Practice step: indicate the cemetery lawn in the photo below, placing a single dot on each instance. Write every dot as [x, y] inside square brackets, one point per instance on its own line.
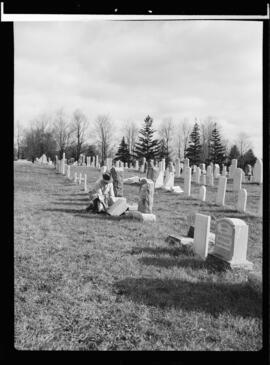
[90, 282]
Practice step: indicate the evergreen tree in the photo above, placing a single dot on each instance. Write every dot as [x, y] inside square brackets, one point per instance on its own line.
[163, 151]
[249, 158]
[147, 146]
[193, 151]
[123, 152]
[217, 153]
[234, 153]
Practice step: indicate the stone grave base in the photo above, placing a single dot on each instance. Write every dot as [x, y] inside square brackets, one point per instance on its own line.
[118, 208]
[245, 265]
[142, 217]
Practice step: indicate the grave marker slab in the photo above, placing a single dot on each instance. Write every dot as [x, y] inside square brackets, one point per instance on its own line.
[221, 192]
[231, 238]
[242, 200]
[201, 235]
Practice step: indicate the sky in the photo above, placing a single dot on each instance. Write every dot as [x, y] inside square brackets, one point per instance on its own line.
[129, 69]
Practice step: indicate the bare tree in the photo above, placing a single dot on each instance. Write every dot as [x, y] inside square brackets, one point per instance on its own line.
[243, 143]
[62, 131]
[104, 130]
[166, 133]
[78, 127]
[181, 137]
[131, 133]
[206, 131]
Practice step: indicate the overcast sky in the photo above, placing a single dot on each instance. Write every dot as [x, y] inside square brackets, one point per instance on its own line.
[177, 69]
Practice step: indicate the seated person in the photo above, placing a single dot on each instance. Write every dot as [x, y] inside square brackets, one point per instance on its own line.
[102, 195]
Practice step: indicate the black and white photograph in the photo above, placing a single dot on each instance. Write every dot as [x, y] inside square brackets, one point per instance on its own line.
[138, 185]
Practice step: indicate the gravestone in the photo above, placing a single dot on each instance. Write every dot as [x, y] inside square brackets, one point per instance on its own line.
[152, 172]
[203, 179]
[221, 192]
[177, 167]
[160, 179]
[97, 162]
[224, 171]
[242, 200]
[80, 178]
[233, 167]
[231, 239]
[118, 183]
[187, 181]
[168, 180]
[209, 170]
[118, 208]
[237, 179]
[146, 198]
[201, 235]
[85, 182]
[216, 171]
[68, 172]
[210, 180]
[75, 177]
[136, 165]
[258, 171]
[198, 175]
[202, 193]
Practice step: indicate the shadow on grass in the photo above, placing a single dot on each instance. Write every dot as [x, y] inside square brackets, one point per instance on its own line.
[210, 264]
[67, 200]
[214, 298]
[84, 214]
[72, 202]
[174, 251]
[72, 211]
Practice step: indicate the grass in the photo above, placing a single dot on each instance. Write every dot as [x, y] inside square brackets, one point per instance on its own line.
[88, 282]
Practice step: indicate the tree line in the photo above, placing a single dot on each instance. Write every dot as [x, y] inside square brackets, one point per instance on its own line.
[201, 142]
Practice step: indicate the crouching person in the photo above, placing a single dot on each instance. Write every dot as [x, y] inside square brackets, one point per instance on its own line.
[102, 195]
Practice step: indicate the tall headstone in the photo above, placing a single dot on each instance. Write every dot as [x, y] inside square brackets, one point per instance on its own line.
[237, 179]
[163, 164]
[216, 171]
[231, 239]
[221, 192]
[96, 162]
[202, 193]
[209, 170]
[160, 179]
[177, 167]
[242, 200]
[258, 171]
[118, 184]
[198, 175]
[80, 178]
[68, 172]
[201, 235]
[187, 181]
[233, 167]
[136, 165]
[85, 182]
[146, 198]
[203, 179]
[224, 171]
[210, 180]
[75, 177]
[168, 180]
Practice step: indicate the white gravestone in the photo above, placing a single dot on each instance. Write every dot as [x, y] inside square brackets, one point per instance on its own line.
[85, 182]
[160, 180]
[177, 167]
[136, 165]
[231, 239]
[210, 180]
[202, 193]
[198, 175]
[187, 181]
[203, 179]
[68, 172]
[237, 179]
[169, 180]
[221, 192]
[201, 235]
[209, 170]
[258, 171]
[233, 167]
[75, 177]
[80, 178]
[242, 200]
[224, 171]
[216, 171]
